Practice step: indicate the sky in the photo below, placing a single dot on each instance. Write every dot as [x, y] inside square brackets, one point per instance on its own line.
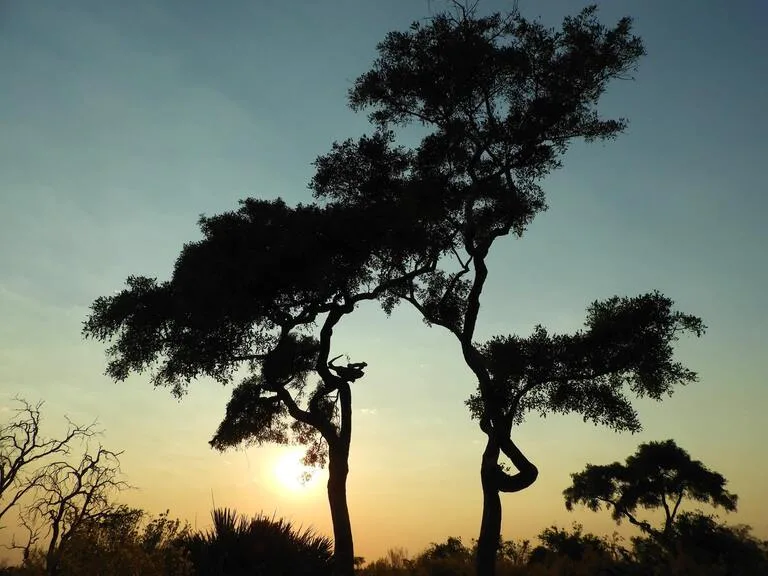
[122, 122]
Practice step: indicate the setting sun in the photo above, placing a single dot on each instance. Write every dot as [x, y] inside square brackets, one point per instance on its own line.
[292, 474]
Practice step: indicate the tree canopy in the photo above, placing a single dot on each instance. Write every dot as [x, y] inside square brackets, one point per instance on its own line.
[260, 271]
[660, 475]
[626, 347]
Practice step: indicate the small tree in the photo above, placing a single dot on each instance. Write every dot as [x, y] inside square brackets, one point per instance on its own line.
[67, 498]
[244, 298]
[660, 475]
[25, 452]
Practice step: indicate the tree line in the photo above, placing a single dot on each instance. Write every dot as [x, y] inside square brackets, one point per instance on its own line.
[66, 494]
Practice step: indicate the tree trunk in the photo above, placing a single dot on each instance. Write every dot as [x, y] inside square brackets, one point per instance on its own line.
[490, 525]
[343, 553]
[53, 553]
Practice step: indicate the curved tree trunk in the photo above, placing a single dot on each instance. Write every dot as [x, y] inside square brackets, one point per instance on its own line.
[490, 525]
[494, 481]
[338, 469]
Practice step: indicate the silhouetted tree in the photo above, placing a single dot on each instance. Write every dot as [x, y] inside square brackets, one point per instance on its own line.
[625, 350]
[69, 496]
[244, 299]
[25, 452]
[660, 475]
[501, 98]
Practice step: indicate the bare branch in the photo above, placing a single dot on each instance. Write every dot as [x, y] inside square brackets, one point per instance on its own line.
[24, 452]
[68, 495]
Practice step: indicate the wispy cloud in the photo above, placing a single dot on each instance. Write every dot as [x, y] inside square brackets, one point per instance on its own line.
[371, 411]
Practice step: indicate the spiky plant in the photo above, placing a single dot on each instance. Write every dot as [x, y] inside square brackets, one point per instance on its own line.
[237, 545]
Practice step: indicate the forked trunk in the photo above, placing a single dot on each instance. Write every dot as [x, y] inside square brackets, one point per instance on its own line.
[343, 552]
[490, 525]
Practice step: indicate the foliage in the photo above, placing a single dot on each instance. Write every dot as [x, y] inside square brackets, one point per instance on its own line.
[660, 475]
[702, 543]
[237, 545]
[450, 557]
[626, 347]
[502, 96]
[575, 549]
[120, 544]
[263, 267]
[706, 549]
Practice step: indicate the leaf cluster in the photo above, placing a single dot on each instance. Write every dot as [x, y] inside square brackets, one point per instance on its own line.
[258, 272]
[625, 348]
[501, 98]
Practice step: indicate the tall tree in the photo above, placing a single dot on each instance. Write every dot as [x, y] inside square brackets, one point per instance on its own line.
[244, 299]
[501, 98]
[659, 475]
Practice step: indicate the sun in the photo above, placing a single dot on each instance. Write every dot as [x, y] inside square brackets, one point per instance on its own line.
[292, 474]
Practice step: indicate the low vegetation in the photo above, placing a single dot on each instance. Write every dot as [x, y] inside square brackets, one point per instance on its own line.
[64, 494]
[130, 543]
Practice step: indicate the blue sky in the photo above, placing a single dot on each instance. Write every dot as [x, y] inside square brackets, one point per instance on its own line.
[121, 122]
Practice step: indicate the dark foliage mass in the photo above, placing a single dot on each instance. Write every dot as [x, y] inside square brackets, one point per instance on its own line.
[626, 348]
[261, 268]
[660, 475]
[704, 547]
[258, 546]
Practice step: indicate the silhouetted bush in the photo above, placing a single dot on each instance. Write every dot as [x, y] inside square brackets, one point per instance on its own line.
[700, 545]
[118, 544]
[239, 546]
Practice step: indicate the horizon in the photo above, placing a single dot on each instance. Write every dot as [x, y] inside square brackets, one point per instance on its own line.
[123, 125]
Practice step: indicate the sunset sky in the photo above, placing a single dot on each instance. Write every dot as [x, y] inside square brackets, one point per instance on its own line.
[121, 122]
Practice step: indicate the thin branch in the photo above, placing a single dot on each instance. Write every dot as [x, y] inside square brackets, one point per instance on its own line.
[22, 447]
[667, 512]
[677, 504]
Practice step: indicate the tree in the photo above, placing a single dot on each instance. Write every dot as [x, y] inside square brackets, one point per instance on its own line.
[660, 475]
[25, 452]
[67, 498]
[501, 99]
[244, 299]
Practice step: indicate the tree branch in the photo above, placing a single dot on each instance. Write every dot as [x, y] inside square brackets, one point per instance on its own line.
[21, 446]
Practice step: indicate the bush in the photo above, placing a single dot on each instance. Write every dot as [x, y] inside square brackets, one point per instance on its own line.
[239, 546]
